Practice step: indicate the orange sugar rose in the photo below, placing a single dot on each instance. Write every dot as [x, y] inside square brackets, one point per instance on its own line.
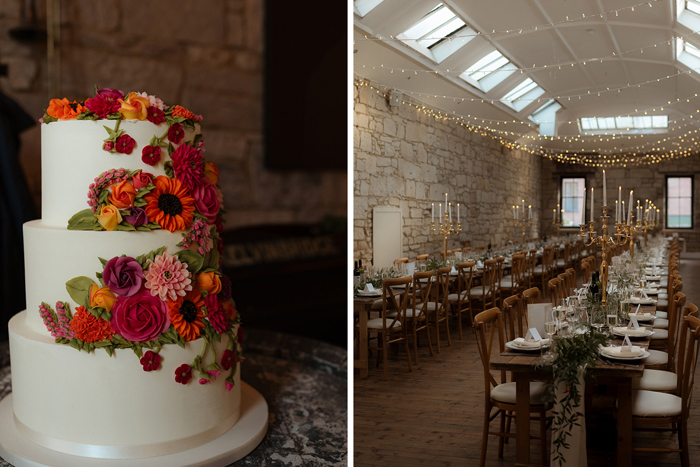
[123, 195]
[101, 297]
[135, 107]
[109, 217]
[209, 281]
[211, 171]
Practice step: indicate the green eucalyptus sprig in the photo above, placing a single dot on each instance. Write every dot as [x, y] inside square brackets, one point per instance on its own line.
[574, 356]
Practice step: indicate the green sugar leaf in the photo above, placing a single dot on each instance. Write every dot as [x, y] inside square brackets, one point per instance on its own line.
[83, 220]
[79, 290]
[194, 260]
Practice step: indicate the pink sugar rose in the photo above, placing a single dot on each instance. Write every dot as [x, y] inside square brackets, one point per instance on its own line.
[141, 179]
[108, 146]
[204, 381]
[206, 199]
[229, 386]
[141, 317]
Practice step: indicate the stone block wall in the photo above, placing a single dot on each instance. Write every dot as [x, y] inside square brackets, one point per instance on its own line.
[648, 182]
[407, 159]
[207, 56]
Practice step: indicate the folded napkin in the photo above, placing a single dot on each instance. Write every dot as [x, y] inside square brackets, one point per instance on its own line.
[630, 331]
[519, 341]
[479, 264]
[642, 316]
[623, 350]
[642, 301]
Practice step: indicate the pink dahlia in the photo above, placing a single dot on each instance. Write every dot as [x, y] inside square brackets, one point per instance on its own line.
[152, 100]
[188, 166]
[103, 104]
[168, 278]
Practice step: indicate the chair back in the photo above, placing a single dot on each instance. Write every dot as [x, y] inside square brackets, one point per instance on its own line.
[423, 282]
[390, 302]
[422, 257]
[532, 295]
[465, 275]
[487, 326]
[675, 318]
[490, 279]
[517, 270]
[573, 280]
[514, 319]
[443, 283]
[687, 360]
[554, 288]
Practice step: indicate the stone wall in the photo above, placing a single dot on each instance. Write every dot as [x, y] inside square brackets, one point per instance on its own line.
[207, 56]
[407, 159]
[647, 183]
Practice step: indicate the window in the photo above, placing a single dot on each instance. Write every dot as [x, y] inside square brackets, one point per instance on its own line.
[693, 5]
[362, 7]
[522, 95]
[431, 34]
[546, 117]
[679, 202]
[573, 201]
[489, 71]
[687, 53]
[641, 124]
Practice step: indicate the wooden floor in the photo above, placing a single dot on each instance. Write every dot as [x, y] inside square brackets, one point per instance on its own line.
[433, 416]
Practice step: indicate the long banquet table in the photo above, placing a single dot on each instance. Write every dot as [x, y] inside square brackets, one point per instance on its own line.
[619, 375]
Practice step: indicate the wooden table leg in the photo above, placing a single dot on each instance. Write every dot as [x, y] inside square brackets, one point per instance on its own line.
[624, 423]
[362, 342]
[522, 418]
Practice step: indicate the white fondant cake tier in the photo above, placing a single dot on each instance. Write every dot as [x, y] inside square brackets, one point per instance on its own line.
[72, 157]
[94, 405]
[54, 255]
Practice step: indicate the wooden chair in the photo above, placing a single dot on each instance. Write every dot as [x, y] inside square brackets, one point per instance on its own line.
[573, 280]
[532, 295]
[461, 301]
[500, 395]
[562, 262]
[651, 410]
[543, 271]
[417, 314]
[554, 287]
[483, 294]
[391, 330]
[659, 359]
[513, 284]
[663, 380]
[659, 340]
[422, 257]
[439, 313]
[515, 320]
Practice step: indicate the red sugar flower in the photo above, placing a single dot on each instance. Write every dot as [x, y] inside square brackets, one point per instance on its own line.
[125, 144]
[176, 133]
[228, 359]
[150, 155]
[151, 361]
[155, 115]
[188, 166]
[183, 374]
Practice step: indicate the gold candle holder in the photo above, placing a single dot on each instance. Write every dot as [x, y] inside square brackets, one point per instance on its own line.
[445, 228]
[522, 223]
[604, 241]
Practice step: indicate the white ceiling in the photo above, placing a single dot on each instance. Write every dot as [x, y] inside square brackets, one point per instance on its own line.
[630, 81]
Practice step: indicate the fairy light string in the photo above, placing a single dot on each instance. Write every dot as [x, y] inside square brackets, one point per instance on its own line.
[586, 157]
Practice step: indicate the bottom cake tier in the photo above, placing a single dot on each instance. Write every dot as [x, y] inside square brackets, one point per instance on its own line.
[94, 405]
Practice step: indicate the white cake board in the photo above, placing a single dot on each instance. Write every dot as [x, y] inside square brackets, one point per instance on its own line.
[233, 445]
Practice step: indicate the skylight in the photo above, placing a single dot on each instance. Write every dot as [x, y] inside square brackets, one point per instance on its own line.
[362, 7]
[641, 124]
[489, 71]
[546, 117]
[693, 5]
[522, 95]
[431, 34]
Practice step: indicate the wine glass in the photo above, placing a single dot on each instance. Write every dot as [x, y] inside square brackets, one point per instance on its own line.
[597, 314]
[550, 328]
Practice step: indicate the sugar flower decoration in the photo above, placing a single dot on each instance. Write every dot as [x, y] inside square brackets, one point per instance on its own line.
[168, 278]
[170, 204]
[186, 315]
[188, 166]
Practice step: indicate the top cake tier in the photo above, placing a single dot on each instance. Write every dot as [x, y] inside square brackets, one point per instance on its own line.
[73, 155]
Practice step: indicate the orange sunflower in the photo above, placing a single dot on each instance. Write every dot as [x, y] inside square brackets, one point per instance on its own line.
[170, 204]
[186, 315]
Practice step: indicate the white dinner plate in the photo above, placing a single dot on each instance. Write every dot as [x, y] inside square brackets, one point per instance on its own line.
[512, 345]
[362, 293]
[619, 332]
[605, 354]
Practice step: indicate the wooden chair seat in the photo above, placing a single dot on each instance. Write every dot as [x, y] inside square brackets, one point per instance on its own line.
[506, 393]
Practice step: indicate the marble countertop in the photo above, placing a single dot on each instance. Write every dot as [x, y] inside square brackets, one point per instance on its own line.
[304, 382]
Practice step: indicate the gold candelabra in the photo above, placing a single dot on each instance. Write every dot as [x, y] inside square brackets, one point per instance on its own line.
[560, 223]
[604, 241]
[446, 227]
[522, 223]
